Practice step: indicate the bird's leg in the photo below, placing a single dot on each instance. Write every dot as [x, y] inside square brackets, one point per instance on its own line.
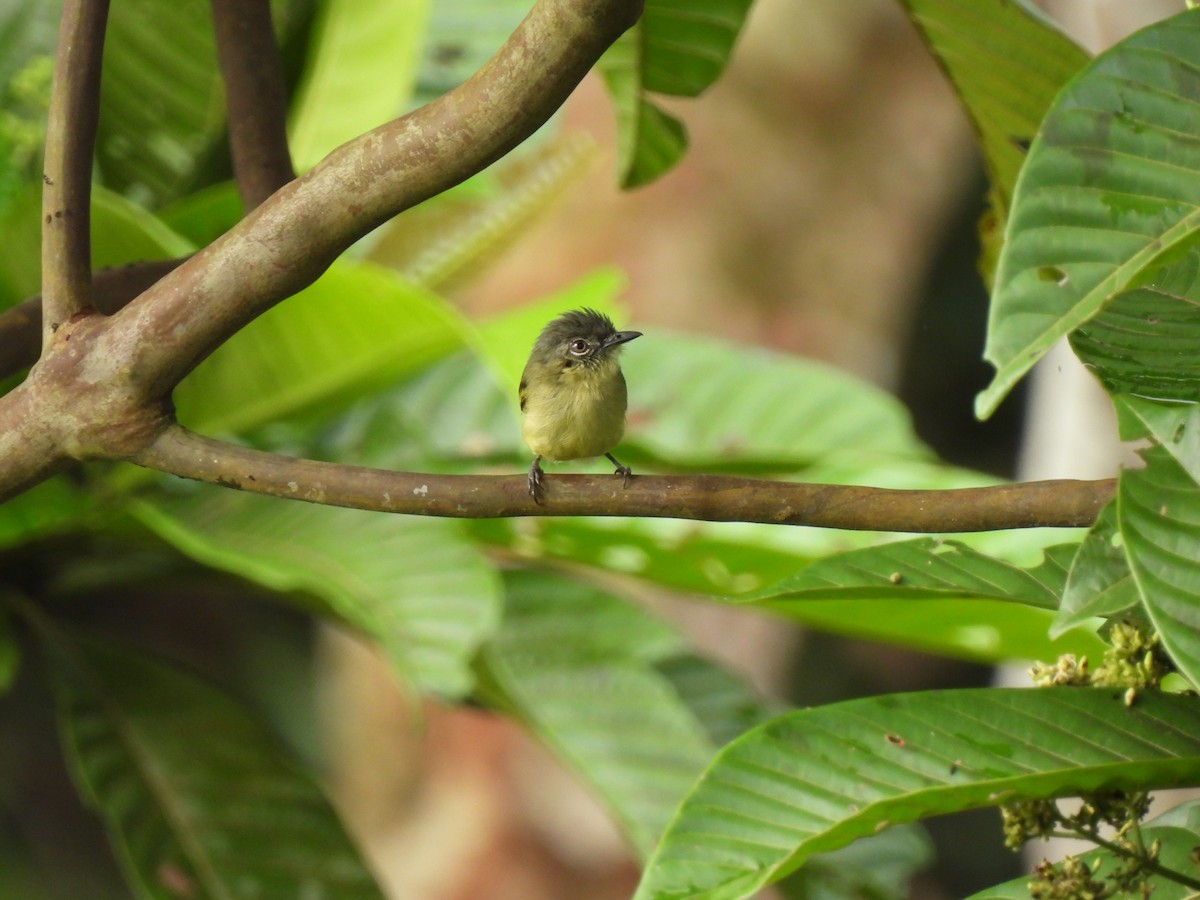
[535, 480]
[623, 471]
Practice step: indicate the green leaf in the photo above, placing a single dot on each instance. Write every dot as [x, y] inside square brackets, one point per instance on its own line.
[1099, 583]
[196, 795]
[1159, 514]
[462, 36]
[816, 779]
[1177, 832]
[937, 595]
[415, 585]
[358, 328]
[1110, 192]
[686, 407]
[1175, 426]
[1006, 64]
[876, 867]
[1146, 342]
[10, 650]
[52, 506]
[361, 70]
[686, 43]
[650, 141]
[585, 670]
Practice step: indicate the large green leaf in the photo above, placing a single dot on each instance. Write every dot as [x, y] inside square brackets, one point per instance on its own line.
[462, 36]
[816, 779]
[608, 686]
[1175, 426]
[1159, 515]
[1176, 832]
[361, 69]
[358, 328]
[1006, 64]
[197, 797]
[1110, 192]
[686, 43]
[415, 585]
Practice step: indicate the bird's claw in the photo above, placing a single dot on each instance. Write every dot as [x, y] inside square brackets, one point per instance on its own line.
[535, 482]
[624, 472]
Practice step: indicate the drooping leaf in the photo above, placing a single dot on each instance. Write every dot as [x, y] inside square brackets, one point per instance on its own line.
[1006, 64]
[585, 670]
[415, 585]
[1177, 834]
[361, 69]
[1109, 194]
[816, 779]
[197, 797]
[356, 329]
[1159, 515]
[650, 141]
[1099, 583]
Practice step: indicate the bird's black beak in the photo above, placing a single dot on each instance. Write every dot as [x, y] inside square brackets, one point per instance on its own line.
[619, 337]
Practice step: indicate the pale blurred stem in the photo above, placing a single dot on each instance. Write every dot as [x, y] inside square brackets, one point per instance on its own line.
[704, 497]
[21, 326]
[255, 96]
[67, 176]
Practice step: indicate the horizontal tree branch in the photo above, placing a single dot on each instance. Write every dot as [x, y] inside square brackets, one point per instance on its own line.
[705, 497]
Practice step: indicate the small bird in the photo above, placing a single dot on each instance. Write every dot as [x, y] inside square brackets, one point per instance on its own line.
[573, 393]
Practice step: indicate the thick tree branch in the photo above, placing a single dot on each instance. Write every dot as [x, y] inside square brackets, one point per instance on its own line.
[21, 326]
[705, 497]
[255, 96]
[289, 240]
[70, 142]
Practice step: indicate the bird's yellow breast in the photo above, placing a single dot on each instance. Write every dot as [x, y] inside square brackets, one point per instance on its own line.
[573, 413]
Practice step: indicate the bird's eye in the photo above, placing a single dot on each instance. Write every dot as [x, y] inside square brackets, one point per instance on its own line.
[579, 346]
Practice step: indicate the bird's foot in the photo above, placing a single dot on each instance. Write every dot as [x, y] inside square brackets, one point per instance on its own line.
[535, 480]
[623, 471]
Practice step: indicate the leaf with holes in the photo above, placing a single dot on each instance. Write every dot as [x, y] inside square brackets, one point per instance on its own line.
[1109, 194]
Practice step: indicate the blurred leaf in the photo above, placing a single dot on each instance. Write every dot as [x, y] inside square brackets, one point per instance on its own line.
[196, 795]
[876, 867]
[204, 215]
[1146, 342]
[1100, 583]
[932, 594]
[361, 68]
[1159, 515]
[1006, 63]
[444, 241]
[54, 505]
[10, 650]
[686, 405]
[162, 109]
[580, 667]
[356, 329]
[1109, 194]
[462, 36]
[686, 43]
[816, 779]
[415, 585]
[650, 141]
[1178, 834]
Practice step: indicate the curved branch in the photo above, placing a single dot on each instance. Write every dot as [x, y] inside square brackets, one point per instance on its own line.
[21, 326]
[289, 240]
[255, 97]
[70, 141]
[710, 498]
